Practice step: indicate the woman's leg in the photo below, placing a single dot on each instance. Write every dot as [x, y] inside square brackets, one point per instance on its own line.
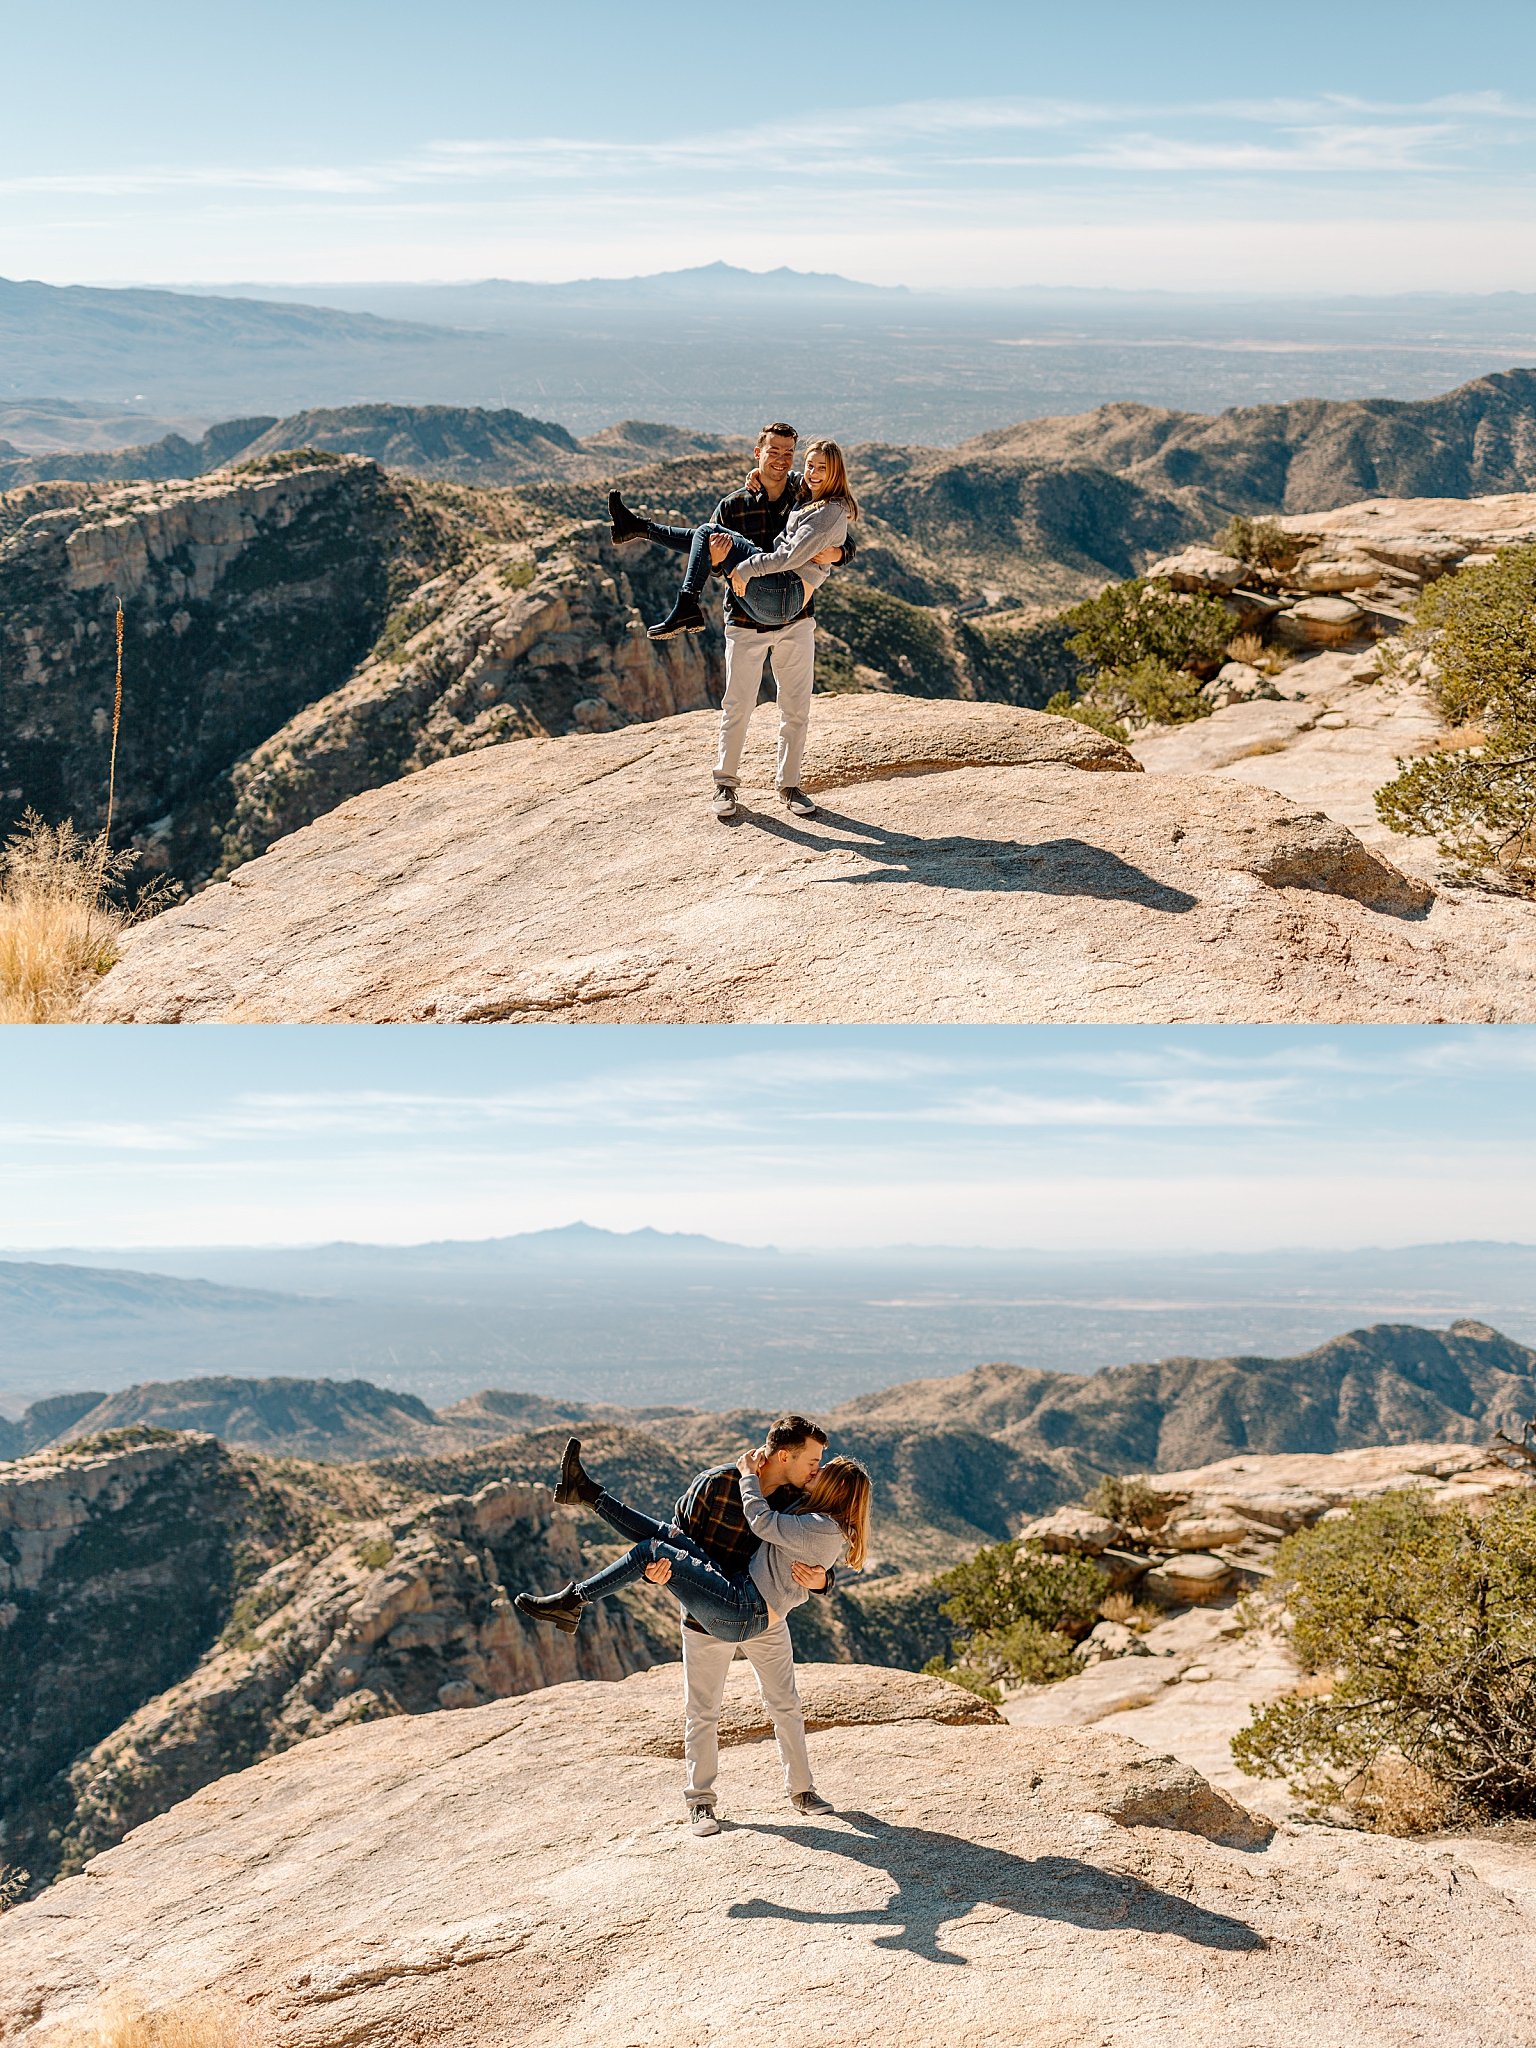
[727, 1607]
[700, 564]
[625, 526]
[687, 614]
[629, 1521]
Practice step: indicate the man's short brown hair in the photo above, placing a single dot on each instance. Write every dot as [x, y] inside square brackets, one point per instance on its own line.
[790, 1431]
[778, 427]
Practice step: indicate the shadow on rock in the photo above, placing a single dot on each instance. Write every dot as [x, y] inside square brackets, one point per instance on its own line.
[1054, 867]
[941, 1877]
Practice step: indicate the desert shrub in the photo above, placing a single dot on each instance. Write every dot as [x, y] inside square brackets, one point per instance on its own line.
[1134, 1504]
[1021, 1609]
[13, 1885]
[1144, 650]
[1119, 700]
[1426, 1620]
[1133, 622]
[1478, 800]
[63, 909]
[1263, 542]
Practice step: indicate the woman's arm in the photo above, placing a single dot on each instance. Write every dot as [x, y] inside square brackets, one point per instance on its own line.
[816, 1539]
[823, 526]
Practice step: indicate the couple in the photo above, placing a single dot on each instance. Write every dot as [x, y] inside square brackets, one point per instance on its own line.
[747, 1543]
[777, 540]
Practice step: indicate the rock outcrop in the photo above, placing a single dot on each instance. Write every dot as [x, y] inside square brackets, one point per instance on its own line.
[586, 878]
[531, 1858]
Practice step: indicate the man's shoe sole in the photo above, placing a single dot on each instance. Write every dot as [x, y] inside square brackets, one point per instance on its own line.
[675, 632]
[626, 540]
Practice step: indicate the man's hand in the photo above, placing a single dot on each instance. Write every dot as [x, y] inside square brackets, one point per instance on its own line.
[719, 548]
[661, 1571]
[751, 1461]
[828, 558]
[812, 1576]
[739, 584]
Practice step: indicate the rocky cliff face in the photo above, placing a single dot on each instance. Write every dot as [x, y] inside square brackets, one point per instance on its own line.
[540, 640]
[243, 597]
[171, 1611]
[297, 630]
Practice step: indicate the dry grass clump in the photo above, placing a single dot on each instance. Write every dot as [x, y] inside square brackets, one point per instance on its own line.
[1395, 1797]
[123, 2021]
[59, 924]
[13, 1885]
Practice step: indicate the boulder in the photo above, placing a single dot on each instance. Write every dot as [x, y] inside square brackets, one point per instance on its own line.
[1074, 1529]
[1204, 1532]
[1200, 569]
[1124, 1569]
[1108, 1639]
[1320, 622]
[1284, 1509]
[1418, 554]
[1252, 610]
[1194, 1578]
[1325, 575]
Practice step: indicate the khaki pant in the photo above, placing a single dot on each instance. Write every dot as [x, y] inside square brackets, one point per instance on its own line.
[706, 1660]
[794, 670]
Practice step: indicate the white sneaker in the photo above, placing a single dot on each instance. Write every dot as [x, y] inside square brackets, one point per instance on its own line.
[811, 1802]
[701, 1818]
[725, 800]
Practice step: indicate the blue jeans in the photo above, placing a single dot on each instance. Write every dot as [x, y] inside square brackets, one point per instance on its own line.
[730, 1608]
[770, 600]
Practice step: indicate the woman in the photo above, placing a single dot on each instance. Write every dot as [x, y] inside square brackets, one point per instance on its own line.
[789, 571]
[831, 1524]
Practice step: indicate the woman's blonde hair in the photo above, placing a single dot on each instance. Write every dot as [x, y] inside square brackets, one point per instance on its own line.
[836, 485]
[841, 1491]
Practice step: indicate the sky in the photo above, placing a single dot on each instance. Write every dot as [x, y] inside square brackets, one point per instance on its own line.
[1226, 1138]
[1196, 145]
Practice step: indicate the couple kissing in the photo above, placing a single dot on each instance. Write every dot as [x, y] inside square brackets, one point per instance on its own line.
[747, 1543]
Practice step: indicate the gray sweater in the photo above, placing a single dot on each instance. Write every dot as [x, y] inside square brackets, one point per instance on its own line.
[818, 523]
[814, 1539]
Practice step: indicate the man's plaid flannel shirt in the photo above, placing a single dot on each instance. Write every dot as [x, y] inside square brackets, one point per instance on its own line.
[711, 1513]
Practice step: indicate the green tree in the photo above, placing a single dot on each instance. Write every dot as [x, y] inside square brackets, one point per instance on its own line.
[1426, 1620]
[1137, 621]
[1145, 650]
[1264, 543]
[1021, 1608]
[1478, 800]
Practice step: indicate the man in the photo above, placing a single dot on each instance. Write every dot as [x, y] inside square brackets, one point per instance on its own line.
[710, 1512]
[761, 511]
